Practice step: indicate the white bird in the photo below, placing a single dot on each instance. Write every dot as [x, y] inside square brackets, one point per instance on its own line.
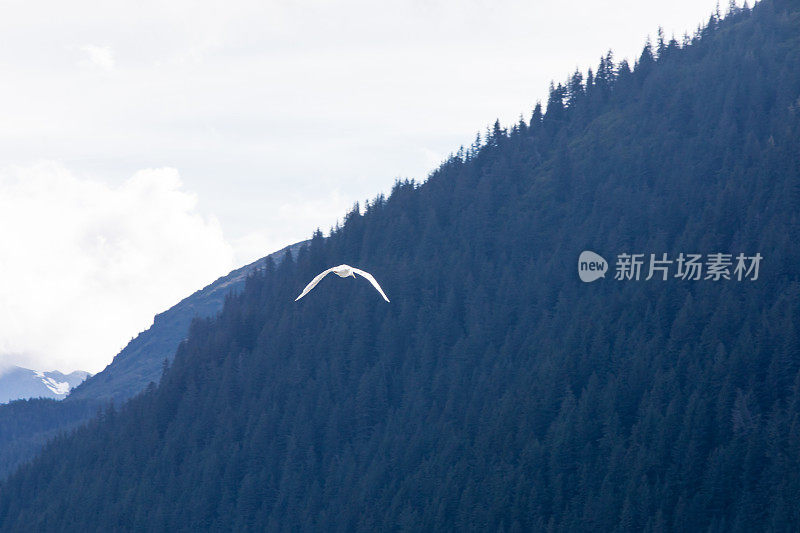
[343, 271]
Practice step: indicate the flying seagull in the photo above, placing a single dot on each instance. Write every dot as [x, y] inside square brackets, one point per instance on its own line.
[343, 271]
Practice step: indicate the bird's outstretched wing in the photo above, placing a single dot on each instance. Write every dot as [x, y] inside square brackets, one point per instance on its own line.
[371, 280]
[314, 282]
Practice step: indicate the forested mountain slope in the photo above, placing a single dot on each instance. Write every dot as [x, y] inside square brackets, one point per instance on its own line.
[25, 426]
[142, 360]
[497, 391]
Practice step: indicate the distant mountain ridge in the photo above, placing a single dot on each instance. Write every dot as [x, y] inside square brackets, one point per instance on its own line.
[17, 383]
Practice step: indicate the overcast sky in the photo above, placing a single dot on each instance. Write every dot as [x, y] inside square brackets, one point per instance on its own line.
[147, 148]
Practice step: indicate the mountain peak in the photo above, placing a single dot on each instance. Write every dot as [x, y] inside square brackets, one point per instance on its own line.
[18, 383]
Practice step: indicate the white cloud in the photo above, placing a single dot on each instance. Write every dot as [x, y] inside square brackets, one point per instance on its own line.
[101, 57]
[85, 266]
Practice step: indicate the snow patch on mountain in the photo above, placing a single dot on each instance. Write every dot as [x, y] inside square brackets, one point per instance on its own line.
[58, 387]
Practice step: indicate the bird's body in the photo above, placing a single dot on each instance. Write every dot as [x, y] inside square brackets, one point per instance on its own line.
[343, 271]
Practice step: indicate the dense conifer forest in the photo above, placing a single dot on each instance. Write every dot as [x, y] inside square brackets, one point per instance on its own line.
[497, 392]
[27, 425]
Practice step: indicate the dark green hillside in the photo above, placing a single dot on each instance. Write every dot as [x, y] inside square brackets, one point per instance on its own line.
[497, 392]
